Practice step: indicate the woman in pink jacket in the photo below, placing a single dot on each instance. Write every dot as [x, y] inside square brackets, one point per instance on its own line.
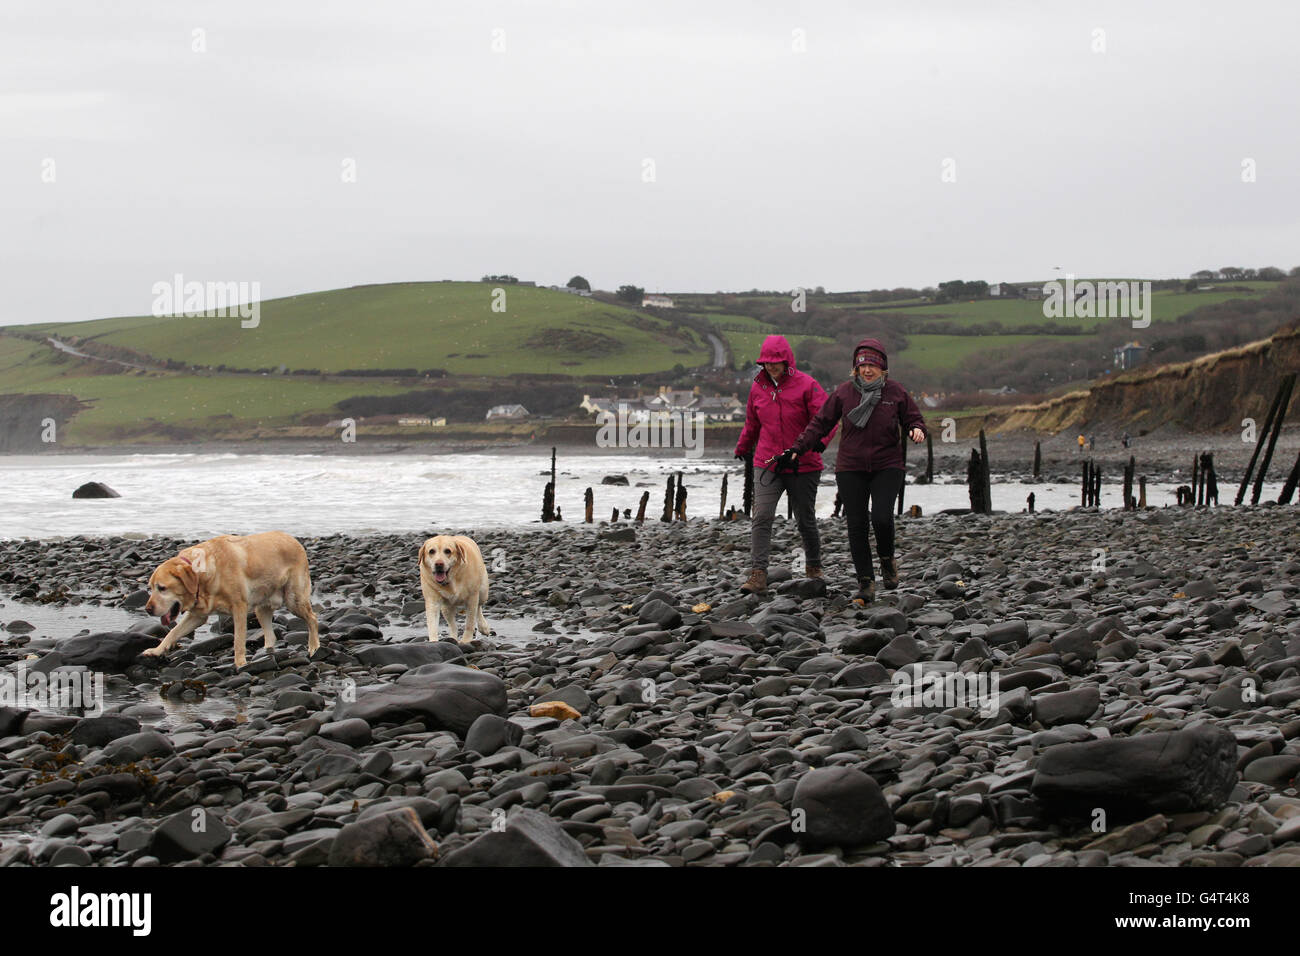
[782, 401]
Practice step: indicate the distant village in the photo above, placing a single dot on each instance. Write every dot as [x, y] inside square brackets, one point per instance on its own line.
[643, 408]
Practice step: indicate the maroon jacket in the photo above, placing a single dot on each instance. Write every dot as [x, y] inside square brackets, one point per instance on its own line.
[880, 444]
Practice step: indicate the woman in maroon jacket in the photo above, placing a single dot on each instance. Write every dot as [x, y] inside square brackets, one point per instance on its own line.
[876, 413]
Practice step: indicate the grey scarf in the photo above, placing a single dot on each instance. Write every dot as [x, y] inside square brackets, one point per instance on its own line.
[867, 404]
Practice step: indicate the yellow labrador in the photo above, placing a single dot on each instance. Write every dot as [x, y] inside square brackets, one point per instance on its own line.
[231, 574]
[453, 578]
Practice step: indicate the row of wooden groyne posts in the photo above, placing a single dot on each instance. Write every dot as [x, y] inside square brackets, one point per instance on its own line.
[1203, 490]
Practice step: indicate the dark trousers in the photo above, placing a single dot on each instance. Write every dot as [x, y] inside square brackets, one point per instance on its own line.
[869, 497]
[802, 490]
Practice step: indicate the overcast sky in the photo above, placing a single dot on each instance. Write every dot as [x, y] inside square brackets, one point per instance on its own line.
[791, 143]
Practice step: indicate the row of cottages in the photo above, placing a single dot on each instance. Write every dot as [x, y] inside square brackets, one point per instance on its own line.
[656, 302]
[1006, 290]
[640, 408]
[585, 293]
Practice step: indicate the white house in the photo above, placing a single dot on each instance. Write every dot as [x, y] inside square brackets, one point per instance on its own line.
[656, 302]
[509, 412]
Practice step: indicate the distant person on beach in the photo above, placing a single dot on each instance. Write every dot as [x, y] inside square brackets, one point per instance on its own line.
[876, 413]
[1081, 443]
[782, 401]
[1126, 439]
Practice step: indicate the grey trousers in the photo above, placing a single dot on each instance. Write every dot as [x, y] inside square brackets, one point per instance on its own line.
[802, 490]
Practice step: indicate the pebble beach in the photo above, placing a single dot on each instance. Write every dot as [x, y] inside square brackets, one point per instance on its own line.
[1138, 679]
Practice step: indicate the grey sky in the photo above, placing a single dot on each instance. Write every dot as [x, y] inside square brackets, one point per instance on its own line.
[773, 168]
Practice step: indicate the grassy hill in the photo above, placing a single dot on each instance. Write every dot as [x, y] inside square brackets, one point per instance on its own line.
[205, 376]
[165, 406]
[421, 325]
[933, 330]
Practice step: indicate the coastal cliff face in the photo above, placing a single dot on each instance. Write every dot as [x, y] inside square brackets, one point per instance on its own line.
[1211, 393]
[24, 419]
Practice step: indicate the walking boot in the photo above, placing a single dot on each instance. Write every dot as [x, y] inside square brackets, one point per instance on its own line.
[757, 582]
[866, 592]
[813, 571]
[889, 572]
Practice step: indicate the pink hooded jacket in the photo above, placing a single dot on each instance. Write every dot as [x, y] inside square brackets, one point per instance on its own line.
[777, 414]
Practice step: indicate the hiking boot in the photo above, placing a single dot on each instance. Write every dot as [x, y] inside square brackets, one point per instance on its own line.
[813, 571]
[757, 582]
[866, 592]
[889, 572]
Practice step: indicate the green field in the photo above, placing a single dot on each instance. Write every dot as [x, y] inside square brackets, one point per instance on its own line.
[420, 325]
[938, 352]
[1166, 306]
[133, 401]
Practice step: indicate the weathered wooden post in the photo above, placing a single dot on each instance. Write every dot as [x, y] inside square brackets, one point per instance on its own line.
[1288, 385]
[1293, 479]
[640, 511]
[974, 483]
[1085, 483]
[1096, 486]
[1196, 480]
[590, 501]
[1268, 427]
[929, 458]
[1210, 478]
[1030, 500]
[614, 517]
[838, 505]
[1142, 492]
[681, 498]
[548, 502]
[1038, 460]
[985, 475]
[1128, 483]
[668, 500]
[722, 508]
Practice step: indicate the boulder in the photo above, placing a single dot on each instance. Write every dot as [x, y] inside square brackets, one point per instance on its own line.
[395, 838]
[530, 838]
[441, 696]
[97, 731]
[414, 654]
[95, 489]
[841, 806]
[188, 834]
[1176, 771]
[105, 651]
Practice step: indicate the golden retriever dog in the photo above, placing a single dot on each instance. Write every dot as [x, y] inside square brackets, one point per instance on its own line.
[231, 574]
[453, 577]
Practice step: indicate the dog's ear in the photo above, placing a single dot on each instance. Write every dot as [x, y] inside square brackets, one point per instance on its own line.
[423, 546]
[189, 579]
[460, 551]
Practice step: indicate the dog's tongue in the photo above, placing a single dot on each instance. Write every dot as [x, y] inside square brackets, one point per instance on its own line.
[440, 576]
[166, 619]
